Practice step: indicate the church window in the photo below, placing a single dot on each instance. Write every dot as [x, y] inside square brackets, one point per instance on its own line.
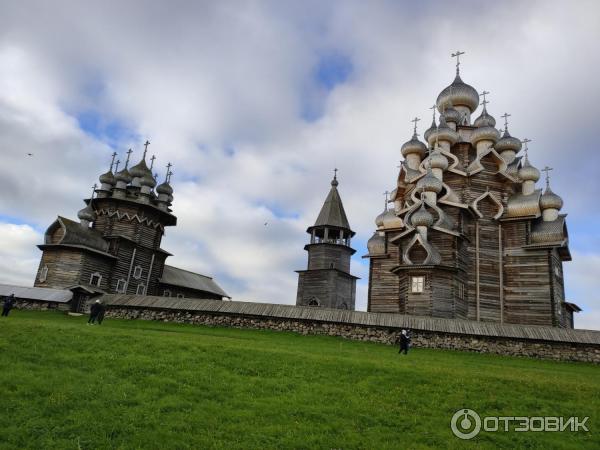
[137, 272]
[313, 302]
[416, 284]
[121, 286]
[166, 293]
[95, 279]
[344, 306]
[461, 290]
[43, 274]
[140, 289]
[180, 296]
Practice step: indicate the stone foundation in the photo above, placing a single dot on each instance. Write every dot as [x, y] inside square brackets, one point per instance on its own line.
[535, 348]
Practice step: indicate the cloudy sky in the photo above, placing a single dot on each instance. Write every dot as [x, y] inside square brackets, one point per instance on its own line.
[255, 103]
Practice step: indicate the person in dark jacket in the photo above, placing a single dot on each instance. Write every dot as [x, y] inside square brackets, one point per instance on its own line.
[404, 342]
[94, 311]
[101, 313]
[9, 303]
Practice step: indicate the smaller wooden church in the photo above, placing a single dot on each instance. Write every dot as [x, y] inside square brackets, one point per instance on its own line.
[115, 247]
[327, 281]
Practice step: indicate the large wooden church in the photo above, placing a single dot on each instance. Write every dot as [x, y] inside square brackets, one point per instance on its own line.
[469, 235]
[115, 246]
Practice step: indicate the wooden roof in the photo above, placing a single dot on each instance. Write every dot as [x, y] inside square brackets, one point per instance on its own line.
[269, 310]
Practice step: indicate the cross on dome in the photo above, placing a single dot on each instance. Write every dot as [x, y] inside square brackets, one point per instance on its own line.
[505, 116]
[457, 56]
[415, 120]
[547, 170]
[112, 162]
[129, 152]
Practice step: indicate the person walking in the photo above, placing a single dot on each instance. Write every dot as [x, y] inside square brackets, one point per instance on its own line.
[9, 303]
[101, 312]
[404, 342]
[94, 311]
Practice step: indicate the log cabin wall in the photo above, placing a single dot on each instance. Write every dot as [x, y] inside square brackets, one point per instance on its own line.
[327, 256]
[64, 267]
[384, 286]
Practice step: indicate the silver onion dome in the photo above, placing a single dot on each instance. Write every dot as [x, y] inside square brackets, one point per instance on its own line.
[391, 220]
[421, 217]
[429, 183]
[148, 180]
[452, 115]
[485, 119]
[414, 146]
[485, 133]
[107, 178]
[437, 160]
[123, 175]
[458, 94]
[164, 188]
[429, 130]
[527, 172]
[87, 213]
[550, 200]
[139, 170]
[507, 142]
[443, 133]
[376, 244]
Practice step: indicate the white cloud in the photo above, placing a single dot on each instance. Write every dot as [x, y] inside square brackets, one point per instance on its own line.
[220, 87]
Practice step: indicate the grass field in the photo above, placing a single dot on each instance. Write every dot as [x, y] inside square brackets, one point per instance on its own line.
[136, 384]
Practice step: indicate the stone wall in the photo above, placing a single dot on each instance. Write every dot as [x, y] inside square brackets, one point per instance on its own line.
[536, 348]
[40, 305]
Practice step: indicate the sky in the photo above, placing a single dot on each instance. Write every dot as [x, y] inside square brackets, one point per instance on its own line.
[256, 102]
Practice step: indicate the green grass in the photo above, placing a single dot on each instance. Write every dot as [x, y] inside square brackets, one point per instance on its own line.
[137, 384]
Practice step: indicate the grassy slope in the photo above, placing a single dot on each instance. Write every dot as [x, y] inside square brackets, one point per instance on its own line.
[135, 384]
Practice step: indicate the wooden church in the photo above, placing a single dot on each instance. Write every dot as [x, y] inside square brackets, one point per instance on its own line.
[115, 247]
[327, 281]
[469, 235]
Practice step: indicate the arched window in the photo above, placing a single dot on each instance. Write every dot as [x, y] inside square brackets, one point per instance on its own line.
[43, 274]
[137, 272]
[121, 285]
[166, 293]
[95, 279]
[140, 289]
[180, 296]
[344, 306]
[313, 302]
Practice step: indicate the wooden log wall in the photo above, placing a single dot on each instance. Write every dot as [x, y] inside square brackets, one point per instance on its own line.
[323, 256]
[64, 267]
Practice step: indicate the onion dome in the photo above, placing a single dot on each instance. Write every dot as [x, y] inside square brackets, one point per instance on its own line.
[391, 220]
[414, 146]
[376, 245]
[140, 170]
[430, 130]
[422, 217]
[87, 213]
[124, 176]
[378, 219]
[437, 160]
[108, 178]
[550, 200]
[485, 133]
[452, 115]
[458, 94]
[443, 133]
[527, 172]
[164, 188]
[507, 142]
[148, 180]
[485, 119]
[429, 183]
